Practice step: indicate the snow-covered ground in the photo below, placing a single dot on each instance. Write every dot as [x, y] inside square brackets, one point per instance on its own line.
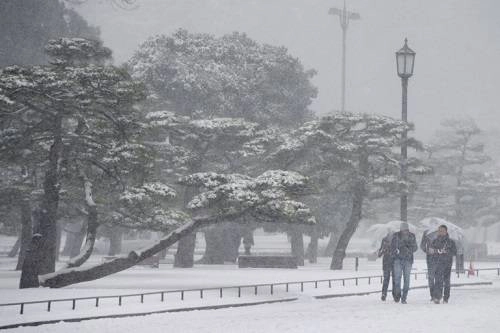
[145, 279]
[472, 309]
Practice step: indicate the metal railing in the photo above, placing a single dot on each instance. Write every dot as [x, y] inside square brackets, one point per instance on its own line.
[254, 287]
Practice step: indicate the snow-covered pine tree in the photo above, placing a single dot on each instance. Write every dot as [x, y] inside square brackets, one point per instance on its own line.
[51, 111]
[270, 197]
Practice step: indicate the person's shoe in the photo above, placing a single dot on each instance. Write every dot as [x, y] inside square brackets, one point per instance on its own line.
[383, 297]
[436, 301]
[445, 301]
[403, 301]
[396, 299]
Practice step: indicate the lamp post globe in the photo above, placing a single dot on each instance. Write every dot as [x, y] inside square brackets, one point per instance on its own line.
[405, 61]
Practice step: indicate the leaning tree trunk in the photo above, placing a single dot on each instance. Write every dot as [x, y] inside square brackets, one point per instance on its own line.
[68, 276]
[26, 231]
[332, 244]
[50, 203]
[356, 213]
[297, 244]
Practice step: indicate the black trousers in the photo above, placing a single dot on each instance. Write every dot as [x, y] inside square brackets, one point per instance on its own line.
[442, 283]
[388, 275]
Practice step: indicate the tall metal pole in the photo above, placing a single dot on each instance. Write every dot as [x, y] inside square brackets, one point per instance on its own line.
[404, 151]
[344, 33]
[345, 16]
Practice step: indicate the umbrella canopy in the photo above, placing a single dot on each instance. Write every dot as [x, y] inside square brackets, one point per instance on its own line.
[379, 230]
[431, 224]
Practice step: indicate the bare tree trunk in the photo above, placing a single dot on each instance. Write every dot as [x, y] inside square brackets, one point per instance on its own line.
[115, 242]
[297, 242]
[50, 204]
[26, 232]
[312, 248]
[232, 241]
[214, 246]
[184, 258]
[29, 274]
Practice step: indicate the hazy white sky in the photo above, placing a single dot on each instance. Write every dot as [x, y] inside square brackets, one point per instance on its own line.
[457, 44]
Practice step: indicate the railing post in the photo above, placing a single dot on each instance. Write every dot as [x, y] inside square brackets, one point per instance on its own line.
[255, 290]
[22, 308]
[287, 287]
[97, 302]
[302, 286]
[498, 271]
[272, 291]
[316, 284]
[329, 283]
[220, 292]
[369, 280]
[162, 297]
[201, 293]
[356, 281]
[142, 298]
[119, 300]
[182, 295]
[74, 304]
[239, 291]
[48, 306]
[357, 263]
[343, 282]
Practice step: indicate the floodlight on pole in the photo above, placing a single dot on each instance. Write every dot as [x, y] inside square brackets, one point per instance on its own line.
[345, 17]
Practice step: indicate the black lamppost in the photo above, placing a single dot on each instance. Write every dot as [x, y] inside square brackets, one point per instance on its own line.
[405, 60]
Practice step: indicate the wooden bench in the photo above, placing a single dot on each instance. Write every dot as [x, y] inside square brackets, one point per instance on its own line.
[267, 261]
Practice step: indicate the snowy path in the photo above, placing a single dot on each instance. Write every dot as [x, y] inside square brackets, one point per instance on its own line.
[471, 309]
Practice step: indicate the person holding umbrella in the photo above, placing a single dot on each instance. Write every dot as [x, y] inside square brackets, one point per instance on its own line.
[403, 245]
[385, 252]
[425, 244]
[443, 249]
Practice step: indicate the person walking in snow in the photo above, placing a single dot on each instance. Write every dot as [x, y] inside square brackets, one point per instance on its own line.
[385, 252]
[403, 245]
[443, 248]
[425, 244]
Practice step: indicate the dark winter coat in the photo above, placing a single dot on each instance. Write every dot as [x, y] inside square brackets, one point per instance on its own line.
[444, 249]
[402, 248]
[385, 252]
[427, 239]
